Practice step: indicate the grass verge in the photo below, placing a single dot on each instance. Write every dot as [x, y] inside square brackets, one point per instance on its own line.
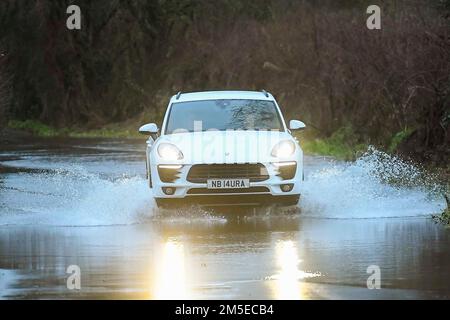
[444, 217]
[342, 144]
[42, 130]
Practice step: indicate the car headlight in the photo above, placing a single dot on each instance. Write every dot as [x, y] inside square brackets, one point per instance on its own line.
[283, 149]
[169, 151]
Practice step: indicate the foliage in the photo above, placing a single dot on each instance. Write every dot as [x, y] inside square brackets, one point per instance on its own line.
[33, 126]
[317, 57]
[444, 217]
[398, 138]
[39, 129]
[5, 92]
[342, 144]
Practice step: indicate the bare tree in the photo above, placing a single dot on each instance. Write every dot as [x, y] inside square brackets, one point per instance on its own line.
[5, 91]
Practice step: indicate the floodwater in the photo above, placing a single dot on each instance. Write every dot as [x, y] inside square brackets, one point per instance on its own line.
[86, 203]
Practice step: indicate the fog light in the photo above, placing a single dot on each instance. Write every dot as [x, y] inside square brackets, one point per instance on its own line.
[168, 190]
[287, 187]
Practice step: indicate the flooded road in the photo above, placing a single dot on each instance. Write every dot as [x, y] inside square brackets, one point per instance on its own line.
[86, 203]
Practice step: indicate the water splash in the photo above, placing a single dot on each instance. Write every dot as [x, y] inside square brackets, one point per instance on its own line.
[75, 198]
[377, 185]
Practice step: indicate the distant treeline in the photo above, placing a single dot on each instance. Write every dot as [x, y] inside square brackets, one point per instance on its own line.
[316, 56]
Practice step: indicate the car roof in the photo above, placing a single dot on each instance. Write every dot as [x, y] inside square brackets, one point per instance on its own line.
[213, 95]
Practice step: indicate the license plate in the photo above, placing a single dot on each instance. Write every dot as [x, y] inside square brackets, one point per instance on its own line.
[228, 183]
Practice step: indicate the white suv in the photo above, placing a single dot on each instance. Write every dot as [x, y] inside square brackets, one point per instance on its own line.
[224, 148]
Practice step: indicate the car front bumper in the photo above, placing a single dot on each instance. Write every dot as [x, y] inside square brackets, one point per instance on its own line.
[265, 192]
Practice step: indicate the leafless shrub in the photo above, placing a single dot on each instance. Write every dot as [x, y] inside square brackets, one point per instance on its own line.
[317, 57]
[5, 89]
[326, 67]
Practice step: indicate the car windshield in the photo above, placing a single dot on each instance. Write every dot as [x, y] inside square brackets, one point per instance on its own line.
[222, 115]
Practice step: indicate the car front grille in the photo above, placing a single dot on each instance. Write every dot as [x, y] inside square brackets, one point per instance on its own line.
[200, 173]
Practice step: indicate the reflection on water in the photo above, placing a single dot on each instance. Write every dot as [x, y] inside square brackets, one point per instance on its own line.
[228, 261]
[171, 273]
[288, 281]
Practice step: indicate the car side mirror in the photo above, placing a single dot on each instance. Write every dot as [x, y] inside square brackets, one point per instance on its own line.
[149, 129]
[296, 125]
